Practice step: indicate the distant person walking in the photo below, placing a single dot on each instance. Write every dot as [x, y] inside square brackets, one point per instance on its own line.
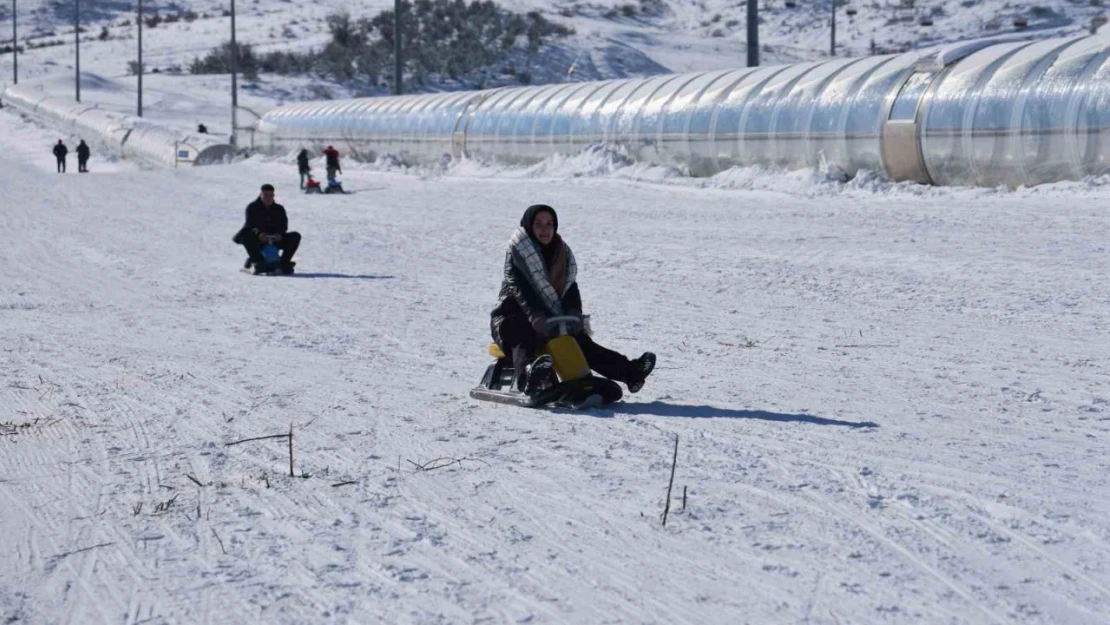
[83, 157]
[332, 162]
[302, 166]
[202, 129]
[60, 152]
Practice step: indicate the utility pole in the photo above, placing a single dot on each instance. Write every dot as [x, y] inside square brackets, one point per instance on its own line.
[15, 47]
[753, 33]
[832, 37]
[140, 69]
[234, 74]
[397, 47]
[77, 45]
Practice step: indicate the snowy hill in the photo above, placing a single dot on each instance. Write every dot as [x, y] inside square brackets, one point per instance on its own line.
[891, 401]
[612, 38]
[889, 398]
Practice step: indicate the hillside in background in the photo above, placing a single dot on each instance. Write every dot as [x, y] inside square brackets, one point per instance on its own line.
[585, 41]
[610, 38]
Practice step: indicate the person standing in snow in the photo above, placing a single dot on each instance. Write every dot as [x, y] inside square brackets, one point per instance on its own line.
[302, 166]
[60, 151]
[83, 157]
[332, 162]
[540, 282]
[266, 221]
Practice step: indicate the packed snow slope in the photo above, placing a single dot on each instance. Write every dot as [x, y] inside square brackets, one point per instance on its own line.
[891, 402]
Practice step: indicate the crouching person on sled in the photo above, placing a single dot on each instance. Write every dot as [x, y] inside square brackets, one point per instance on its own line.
[539, 301]
[267, 230]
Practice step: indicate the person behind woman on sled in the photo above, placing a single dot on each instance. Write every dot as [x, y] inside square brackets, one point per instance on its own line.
[303, 167]
[267, 223]
[334, 185]
[540, 282]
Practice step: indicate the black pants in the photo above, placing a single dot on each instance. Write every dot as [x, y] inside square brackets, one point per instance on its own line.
[82, 164]
[61, 165]
[517, 338]
[288, 245]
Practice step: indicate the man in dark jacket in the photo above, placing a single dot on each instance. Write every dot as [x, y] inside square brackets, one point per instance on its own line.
[303, 167]
[541, 281]
[83, 157]
[60, 151]
[332, 162]
[266, 222]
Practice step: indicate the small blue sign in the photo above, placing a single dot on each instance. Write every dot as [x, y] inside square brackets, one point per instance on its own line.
[183, 154]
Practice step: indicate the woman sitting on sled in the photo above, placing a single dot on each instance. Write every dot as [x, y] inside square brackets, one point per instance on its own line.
[539, 283]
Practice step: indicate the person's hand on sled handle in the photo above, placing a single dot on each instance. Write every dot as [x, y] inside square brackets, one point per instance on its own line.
[583, 325]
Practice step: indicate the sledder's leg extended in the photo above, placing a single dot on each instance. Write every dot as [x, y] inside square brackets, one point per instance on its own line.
[604, 360]
[616, 366]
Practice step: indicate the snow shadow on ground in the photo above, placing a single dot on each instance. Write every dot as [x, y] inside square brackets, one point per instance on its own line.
[341, 275]
[662, 409]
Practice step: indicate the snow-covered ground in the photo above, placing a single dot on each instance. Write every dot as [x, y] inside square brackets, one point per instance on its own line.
[892, 402]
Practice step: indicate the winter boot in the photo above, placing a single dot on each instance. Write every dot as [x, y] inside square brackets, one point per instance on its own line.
[539, 375]
[641, 369]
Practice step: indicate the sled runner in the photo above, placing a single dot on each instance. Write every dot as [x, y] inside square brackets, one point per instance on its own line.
[571, 384]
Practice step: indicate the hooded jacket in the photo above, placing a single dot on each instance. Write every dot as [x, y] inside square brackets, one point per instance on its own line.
[526, 290]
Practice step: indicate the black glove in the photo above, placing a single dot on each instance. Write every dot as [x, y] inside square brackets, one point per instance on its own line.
[580, 326]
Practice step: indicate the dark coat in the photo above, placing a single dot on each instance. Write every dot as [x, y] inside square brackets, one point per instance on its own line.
[302, 162]
[517, 298]
[332, 156]
[83, 151]
[518, 302]
[262, 220]
[60, 150]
